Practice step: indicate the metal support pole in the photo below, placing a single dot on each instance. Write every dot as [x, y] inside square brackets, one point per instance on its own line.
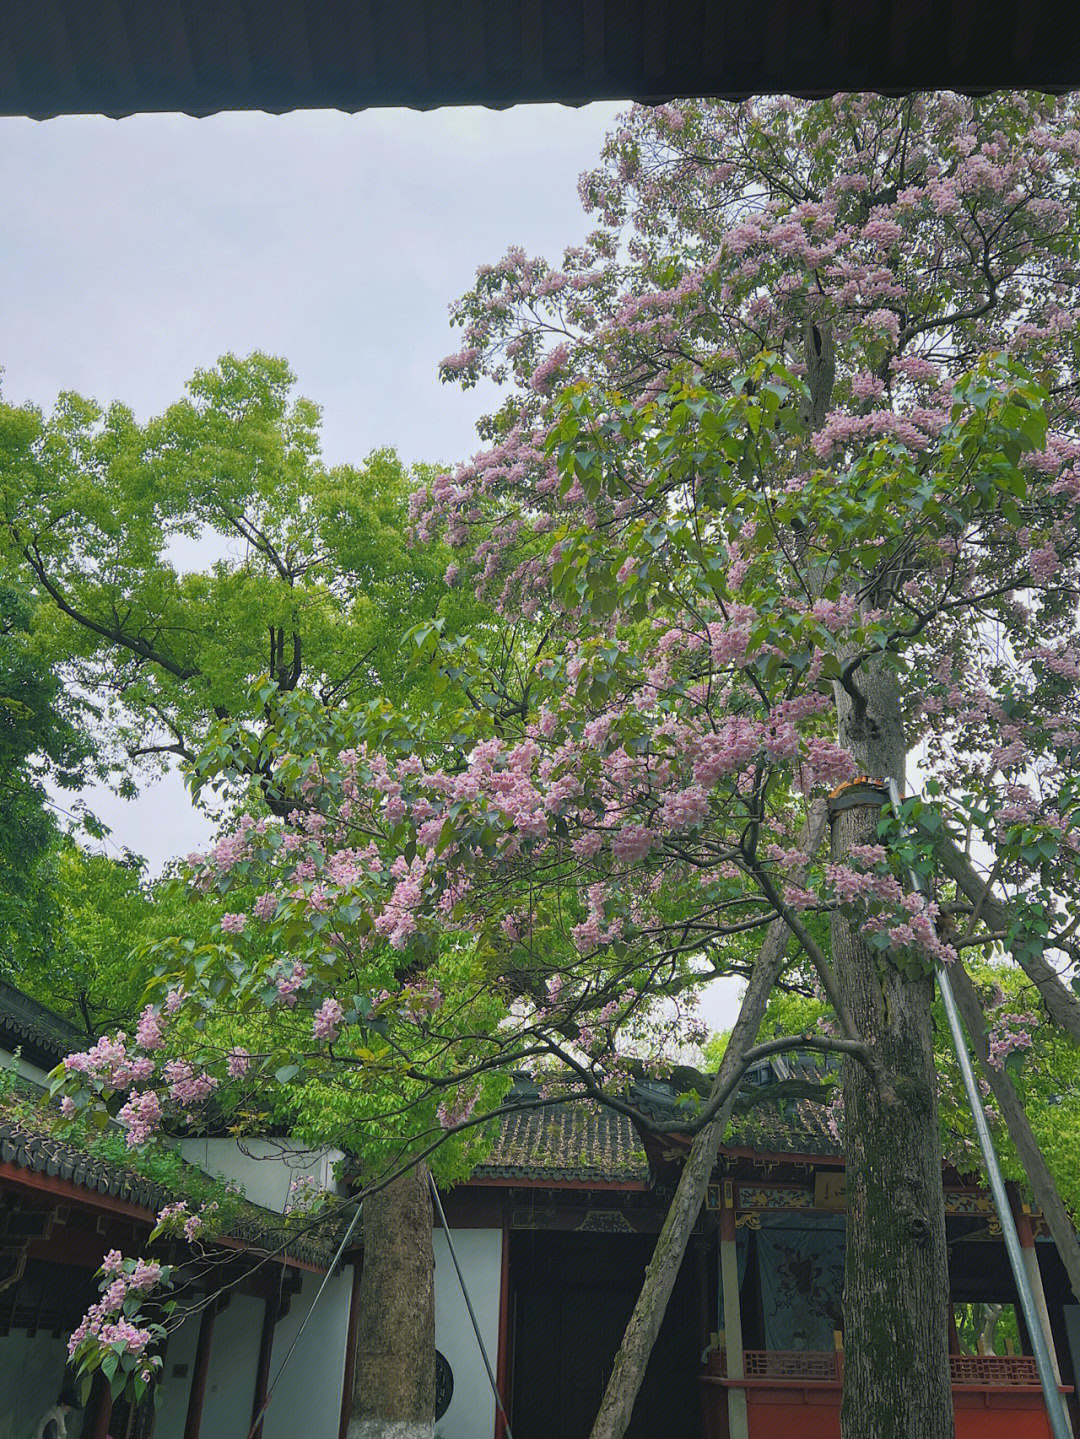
[472, 1312]
[1055, 1407]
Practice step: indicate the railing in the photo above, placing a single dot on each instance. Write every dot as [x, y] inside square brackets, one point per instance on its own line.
[989, 1371]
[996, 1370]
[799, 1364]
[781, 1364]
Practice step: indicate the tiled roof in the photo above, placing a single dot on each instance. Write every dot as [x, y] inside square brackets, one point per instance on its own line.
[792, 1127]
[785, 1125]
[119, 56]
[588, 1143]
[29, 1146]
[566, 1141]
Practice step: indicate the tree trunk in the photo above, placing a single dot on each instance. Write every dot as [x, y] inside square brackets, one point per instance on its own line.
[988, 1332]
[896, 1281]
[395, 1350]
[1031, 1156]
[632, 1359]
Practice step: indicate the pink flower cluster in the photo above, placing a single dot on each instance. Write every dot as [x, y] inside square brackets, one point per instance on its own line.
[140, 1116]
[192, 1224]
[187, 1085]
[1010, 1032]
[881, 905]
[150, 1032]
[237, 1062]
[104, 1322]
[328, 1020]
[456, 1110]
[306, 1195]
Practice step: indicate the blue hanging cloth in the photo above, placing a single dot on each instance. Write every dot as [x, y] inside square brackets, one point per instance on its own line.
[801, 1268]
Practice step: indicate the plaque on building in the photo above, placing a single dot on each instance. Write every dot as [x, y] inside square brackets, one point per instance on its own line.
[444, 1384]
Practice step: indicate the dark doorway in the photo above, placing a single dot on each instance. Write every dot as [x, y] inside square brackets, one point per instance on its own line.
[571, 1295]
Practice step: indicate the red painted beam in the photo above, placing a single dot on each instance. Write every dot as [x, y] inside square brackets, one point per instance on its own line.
[15, 1176]
[19, 1178]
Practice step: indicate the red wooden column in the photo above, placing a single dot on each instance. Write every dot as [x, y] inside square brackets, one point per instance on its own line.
[502, 1362]
[200, 1371]
[262, 1373]
[349, 1382]
[98, 1426]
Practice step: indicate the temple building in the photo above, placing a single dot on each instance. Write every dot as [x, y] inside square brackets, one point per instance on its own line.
[553, 1232]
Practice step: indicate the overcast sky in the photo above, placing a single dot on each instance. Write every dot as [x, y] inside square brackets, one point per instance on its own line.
[134, 251]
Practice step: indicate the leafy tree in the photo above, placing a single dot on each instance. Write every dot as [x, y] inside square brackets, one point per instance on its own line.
[42, 739]
[314, 587]
[875, 249]
[105, 918]
[809, 498]
[313, 581]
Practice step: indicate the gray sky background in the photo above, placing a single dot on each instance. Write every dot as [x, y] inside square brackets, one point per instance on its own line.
[134, 251]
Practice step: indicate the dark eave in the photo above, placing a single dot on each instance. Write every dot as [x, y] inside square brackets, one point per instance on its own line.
[42, 1035]
[116, 57]
[33, 1159]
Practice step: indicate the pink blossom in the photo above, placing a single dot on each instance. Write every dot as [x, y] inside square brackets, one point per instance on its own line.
[265, 906]
[150, 1032]
[328, 1020]
[140, 1116]
[238, 1062]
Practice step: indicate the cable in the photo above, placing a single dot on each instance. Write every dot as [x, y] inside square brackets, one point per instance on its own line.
[326, 1279]
[468, 1304]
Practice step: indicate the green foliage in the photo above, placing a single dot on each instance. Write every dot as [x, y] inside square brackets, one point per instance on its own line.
[1046, 1076]
[89, 961]
[987, 1328]
[314, 583]
[42, 740]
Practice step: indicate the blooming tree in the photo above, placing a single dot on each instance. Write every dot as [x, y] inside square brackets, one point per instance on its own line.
[784, 489]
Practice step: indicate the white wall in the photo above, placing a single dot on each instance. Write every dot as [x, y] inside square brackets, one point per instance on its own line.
[471, 1414]
[31, 1376]
[25, 1069]
[263, 1168]
[307, 1401]
[230, 1380]
[234, 1361]
[180, 1353]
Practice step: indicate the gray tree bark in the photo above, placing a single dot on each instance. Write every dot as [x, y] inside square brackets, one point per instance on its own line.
[395, 1350]
[632, 1359]
[896, 1281]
